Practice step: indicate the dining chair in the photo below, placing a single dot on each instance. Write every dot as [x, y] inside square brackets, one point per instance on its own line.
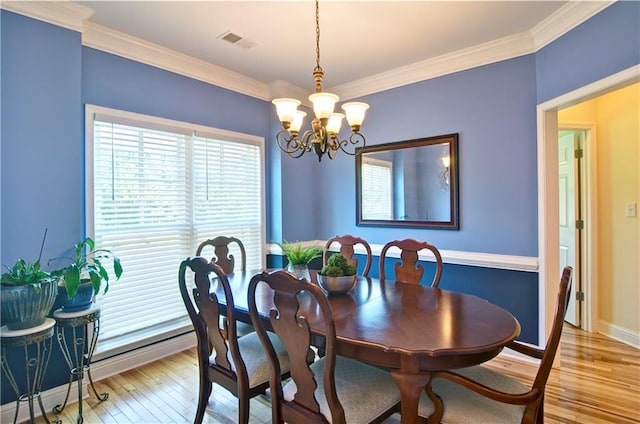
[221, 254]
[236, 363]
[408, 270]
[333, 389]
[480, 395]
[227, 262]
[347, 244]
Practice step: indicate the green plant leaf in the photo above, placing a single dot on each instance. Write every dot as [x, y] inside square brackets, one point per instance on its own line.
[337, 266]
[89, 263]
[297, 254]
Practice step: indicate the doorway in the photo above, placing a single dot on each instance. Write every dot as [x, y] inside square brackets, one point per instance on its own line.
[548, 200]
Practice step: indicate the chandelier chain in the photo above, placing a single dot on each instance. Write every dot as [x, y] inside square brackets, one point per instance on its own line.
[318, 36]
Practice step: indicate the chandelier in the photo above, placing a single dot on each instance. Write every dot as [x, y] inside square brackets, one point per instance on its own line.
[323, 135]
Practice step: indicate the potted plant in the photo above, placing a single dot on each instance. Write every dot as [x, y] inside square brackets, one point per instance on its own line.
[298, 257]
[86, 275]
[27, 294]
[338, 275]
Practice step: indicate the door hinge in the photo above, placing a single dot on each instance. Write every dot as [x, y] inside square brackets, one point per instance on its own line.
[579, 153]
[579, 224]
[580, 296]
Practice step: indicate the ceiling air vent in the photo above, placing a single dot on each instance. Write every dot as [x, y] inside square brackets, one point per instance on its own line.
[237, 40]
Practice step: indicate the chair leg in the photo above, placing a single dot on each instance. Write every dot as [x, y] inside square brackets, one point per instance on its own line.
[203, 399]
[243, 408]
[540, 415]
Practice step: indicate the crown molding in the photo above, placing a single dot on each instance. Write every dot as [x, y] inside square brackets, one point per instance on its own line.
[66, 14]
[482, 54]
[563, 20]
[118, 43]
[560, 22]
[73, 16]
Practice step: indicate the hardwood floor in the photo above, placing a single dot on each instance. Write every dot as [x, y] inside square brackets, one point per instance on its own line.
[598, 381]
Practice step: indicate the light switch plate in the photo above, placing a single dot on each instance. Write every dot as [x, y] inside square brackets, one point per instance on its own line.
[632, 209]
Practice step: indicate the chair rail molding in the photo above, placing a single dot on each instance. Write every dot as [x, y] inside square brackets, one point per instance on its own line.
[455, 257]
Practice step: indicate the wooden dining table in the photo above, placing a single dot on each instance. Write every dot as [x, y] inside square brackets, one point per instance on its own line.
[409, 329]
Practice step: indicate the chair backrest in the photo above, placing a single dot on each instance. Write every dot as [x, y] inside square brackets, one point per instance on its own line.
[408, 270]
[297, 305]
[549, 353]
[347, 243]
[221, 256]
[215, 334]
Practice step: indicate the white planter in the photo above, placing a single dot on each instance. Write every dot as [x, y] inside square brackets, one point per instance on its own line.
[300, 271]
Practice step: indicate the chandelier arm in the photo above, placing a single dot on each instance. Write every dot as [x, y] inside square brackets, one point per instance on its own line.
[307, 140]
[288, 143]
[356, 141]
[332, 153]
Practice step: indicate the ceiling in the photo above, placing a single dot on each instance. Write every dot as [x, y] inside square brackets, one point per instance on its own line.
[358, 39]
[365, 46]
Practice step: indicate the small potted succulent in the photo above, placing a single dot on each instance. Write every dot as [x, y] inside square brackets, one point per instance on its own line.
[27, 294]
[338, 276]
[86, 275]
[299, 257]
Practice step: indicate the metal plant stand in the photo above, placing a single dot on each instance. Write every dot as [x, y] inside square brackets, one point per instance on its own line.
[78, 342]
[36, 344]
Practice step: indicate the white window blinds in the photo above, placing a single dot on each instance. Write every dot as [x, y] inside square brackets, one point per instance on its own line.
[155, 191]
[377, 189]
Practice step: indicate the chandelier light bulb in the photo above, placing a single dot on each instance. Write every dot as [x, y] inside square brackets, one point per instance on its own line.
[323, 104]
[286, 109]
[335, 122]
[298, 119]
[355, 113]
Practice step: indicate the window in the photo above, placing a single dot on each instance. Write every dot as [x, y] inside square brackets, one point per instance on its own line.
[155, 190]
[377, 189]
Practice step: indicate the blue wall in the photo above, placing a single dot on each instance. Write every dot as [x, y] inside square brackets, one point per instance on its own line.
[604, 45]
[493, 110]
[119, 83]
[47, 77]
[41, 137]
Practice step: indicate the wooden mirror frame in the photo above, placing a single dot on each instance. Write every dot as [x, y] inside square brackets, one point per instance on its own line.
[452, 221]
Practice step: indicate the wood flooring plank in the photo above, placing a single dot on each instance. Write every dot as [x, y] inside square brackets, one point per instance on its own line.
[598, 382]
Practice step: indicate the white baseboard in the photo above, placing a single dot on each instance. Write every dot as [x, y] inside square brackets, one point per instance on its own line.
[100, 370]
[620, 334]
[515, 355]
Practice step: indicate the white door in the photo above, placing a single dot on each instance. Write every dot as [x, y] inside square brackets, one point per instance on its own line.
[568, 183]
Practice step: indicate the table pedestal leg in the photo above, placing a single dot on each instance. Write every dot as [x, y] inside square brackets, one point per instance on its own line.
[411, 386]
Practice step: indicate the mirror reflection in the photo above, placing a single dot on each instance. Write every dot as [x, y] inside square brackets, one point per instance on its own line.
[409, 183]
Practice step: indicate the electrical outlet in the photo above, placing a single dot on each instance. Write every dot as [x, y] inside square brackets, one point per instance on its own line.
[632, 209]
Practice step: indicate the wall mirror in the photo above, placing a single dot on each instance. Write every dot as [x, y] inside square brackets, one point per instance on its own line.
[411, 183]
